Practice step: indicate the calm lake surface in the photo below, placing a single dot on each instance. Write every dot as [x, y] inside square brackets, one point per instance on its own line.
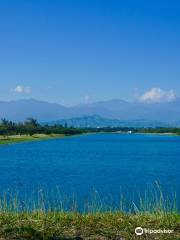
[112, 164]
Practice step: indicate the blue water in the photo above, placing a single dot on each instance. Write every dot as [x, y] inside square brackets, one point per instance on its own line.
[112, 164]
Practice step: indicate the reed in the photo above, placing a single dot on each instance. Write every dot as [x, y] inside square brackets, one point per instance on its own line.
[62, 218]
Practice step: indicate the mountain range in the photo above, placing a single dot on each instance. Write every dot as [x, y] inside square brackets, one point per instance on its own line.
[96, 121]
[167, 112]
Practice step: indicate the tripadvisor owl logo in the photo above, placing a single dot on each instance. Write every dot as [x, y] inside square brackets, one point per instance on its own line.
[139, 231]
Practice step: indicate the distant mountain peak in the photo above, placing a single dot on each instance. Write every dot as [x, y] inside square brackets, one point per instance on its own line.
[115, 109]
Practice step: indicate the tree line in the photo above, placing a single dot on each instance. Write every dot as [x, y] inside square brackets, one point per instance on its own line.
[32, 126]
[158, 130]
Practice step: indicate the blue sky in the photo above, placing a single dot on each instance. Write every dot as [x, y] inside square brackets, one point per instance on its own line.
[77, 51]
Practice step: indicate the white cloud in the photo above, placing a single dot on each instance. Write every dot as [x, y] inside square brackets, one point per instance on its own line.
[157, 95]
[22, 89]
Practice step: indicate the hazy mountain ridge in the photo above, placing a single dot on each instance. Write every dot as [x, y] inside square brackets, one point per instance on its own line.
[97, 121]
[112, 109]
[41, 110]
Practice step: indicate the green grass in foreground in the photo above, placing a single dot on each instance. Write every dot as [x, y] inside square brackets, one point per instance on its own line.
[97, 221]
[27, 138]
[73, 225]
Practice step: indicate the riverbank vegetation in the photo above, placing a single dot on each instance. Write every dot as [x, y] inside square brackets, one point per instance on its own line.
[155, 130]
[95, 226]
[31, 127]
[26, 138]
[32, 130]
[36, 221]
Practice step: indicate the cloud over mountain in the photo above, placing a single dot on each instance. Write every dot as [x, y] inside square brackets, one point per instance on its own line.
[158, 95]
[21, 89]
[115, 109]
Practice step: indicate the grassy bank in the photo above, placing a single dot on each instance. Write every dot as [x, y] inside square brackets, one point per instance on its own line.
[27, 138]
[73, 225]
[97, 221]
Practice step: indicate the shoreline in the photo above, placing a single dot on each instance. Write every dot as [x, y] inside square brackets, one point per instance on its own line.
[27, 138]
[144, 133]
[40, 137]
[162, 134]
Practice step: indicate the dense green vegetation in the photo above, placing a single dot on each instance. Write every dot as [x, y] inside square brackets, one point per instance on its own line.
[31, 126]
